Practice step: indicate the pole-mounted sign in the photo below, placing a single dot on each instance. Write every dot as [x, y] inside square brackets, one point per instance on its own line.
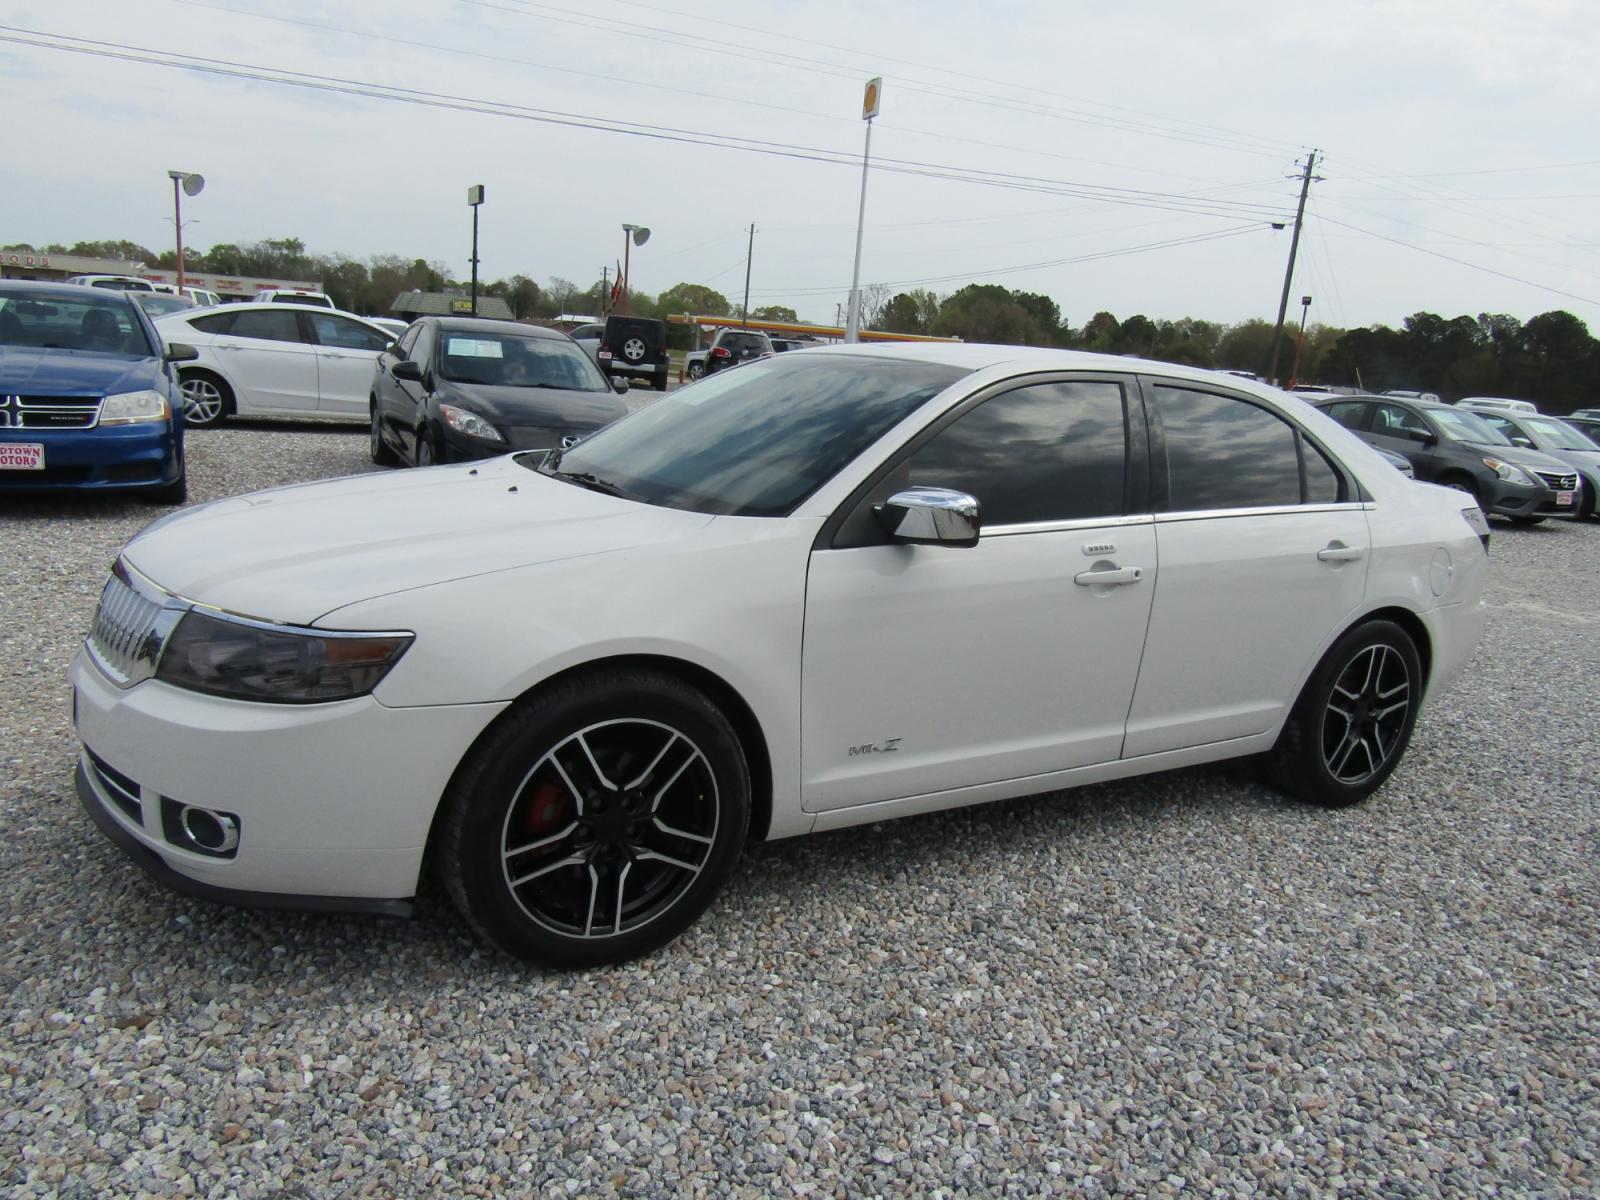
[870, 99]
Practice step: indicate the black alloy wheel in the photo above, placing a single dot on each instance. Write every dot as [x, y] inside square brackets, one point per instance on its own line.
[1353, 720]
[596, 822]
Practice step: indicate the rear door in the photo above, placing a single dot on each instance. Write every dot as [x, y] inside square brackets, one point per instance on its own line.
[268, 357]
[347, 354]
[1264, 548]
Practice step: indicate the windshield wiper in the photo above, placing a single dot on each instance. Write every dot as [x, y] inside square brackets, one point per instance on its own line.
[594, 483]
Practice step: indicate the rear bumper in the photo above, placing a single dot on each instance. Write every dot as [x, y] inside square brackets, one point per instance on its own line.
[109, 458]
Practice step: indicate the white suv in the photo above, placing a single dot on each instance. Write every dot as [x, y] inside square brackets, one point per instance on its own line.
[1496, 404]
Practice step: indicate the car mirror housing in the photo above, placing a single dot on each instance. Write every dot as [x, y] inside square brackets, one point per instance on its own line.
[406, 369]
[619, 385]
[930, 516]
[177, 352]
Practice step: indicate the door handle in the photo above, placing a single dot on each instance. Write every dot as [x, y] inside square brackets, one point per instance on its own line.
[1114, 577]
[1339, 552]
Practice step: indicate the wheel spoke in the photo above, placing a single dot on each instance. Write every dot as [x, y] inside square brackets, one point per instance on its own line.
[622, 879]
[638, 780]
[572, 788]
[1349, 743]
[656, 856]
[1382, 714]
[571, 860]
[595, 766]
[1372, 669]
[655, 803]
[679, 833]
[594, 894]
[541, 843]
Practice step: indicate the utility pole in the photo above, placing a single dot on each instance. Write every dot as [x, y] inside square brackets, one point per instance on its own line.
[605, 289]
[748, 255]
[870, 102]
[1288, 275]
[475, 200]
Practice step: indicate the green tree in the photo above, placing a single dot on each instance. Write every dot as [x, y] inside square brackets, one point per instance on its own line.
[775, 312]
[1099, 333]
[693, 298]
[902, 315]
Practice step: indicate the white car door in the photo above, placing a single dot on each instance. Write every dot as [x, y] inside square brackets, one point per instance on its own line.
[932, 667]
[347, 353]
[265, 356]
[1264, 550]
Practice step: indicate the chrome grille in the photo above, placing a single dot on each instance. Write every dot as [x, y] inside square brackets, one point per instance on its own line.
[49, 412]
[1559, 482]
[130, 627]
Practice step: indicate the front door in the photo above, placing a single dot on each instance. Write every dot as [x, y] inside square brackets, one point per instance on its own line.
[347, 351]
[928, 668]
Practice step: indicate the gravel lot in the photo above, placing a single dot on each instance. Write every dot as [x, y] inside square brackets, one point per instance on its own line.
[1176, 985]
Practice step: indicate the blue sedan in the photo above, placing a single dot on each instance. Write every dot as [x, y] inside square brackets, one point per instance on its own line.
[88, 394]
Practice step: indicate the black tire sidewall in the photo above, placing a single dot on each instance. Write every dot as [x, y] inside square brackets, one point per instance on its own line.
[487, 781]
[1297, 758]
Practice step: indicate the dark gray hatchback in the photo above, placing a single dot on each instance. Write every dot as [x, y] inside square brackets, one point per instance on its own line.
[1458, 449]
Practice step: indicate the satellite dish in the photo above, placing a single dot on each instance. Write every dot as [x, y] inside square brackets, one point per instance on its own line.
[193, 184]
[641, 235]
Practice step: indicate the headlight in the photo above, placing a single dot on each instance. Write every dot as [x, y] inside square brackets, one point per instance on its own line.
[132, 408]
[1510, 473]
[247, 660]
[469, 423]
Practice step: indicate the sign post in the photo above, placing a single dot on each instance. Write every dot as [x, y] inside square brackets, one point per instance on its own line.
[869, 109]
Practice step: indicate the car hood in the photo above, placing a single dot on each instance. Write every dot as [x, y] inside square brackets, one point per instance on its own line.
[546, 407]
[293, 554]
[32, 371]
[1520, 457]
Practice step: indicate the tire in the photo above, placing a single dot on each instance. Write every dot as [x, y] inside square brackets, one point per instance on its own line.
[174, 493]
[1354, 691]
[695, 370]
[424, 453]
[1460, 483]
[547, 843]
[661, 379]
[376, 446]
[207, 399]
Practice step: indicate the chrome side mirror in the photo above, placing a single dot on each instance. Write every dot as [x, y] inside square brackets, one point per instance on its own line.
[930, 516]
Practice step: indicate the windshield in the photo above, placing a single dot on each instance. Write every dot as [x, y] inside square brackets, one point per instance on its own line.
[1461, 426]
[512, 360]
[102, 322]
[757, 441]
[1558, 435]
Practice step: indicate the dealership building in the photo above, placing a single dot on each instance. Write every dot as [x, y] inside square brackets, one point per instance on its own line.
[56, 268]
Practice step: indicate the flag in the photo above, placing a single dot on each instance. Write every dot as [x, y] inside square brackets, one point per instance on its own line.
[616, 288]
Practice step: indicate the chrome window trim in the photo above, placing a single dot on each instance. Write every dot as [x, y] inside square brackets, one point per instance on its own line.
[1206, 514]
[1077, 523]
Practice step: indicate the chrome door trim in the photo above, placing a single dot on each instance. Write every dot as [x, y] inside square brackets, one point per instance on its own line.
[1207, 514]
[1066, 526]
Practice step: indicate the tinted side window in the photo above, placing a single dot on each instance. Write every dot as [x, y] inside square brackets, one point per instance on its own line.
[423, 352]
[267, 324]
[344, 333]
[1224, 452]
[1395, 421]
[407, 340]
[1051, 452]
[1323, 485]
[1351, 414]
[215, 323]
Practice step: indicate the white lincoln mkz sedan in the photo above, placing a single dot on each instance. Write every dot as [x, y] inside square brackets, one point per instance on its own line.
[820, 590]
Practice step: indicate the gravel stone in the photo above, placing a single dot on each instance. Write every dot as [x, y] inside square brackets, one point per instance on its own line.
[1180, 985]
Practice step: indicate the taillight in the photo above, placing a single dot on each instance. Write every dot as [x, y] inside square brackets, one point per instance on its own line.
[722, 352]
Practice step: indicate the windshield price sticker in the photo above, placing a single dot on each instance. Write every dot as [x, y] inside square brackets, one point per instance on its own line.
[21, 456]
[473, 348]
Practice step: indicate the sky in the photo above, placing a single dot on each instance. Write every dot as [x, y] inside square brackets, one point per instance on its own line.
[1127, 157]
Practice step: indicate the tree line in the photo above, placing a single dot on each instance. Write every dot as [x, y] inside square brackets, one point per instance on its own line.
[1550, 359]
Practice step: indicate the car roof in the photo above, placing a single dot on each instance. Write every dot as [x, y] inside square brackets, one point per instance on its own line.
[489, 325]
[975, 356]
[266, 306]
[63, 291]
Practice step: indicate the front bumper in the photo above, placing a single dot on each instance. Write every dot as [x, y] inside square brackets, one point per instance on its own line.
[1520, 500]
[334, 801]
[112, 457]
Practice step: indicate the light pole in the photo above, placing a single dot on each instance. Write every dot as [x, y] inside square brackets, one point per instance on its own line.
[632, 235]
[475, 199]
[1294, 371]
[869, 109]
[182, 181]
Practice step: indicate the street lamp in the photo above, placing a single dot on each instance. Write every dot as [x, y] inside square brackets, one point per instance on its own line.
[182, 181]
[475, 199]
[632, 235]
[1294, 371]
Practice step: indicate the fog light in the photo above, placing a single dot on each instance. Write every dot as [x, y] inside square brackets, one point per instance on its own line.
[202, 830]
